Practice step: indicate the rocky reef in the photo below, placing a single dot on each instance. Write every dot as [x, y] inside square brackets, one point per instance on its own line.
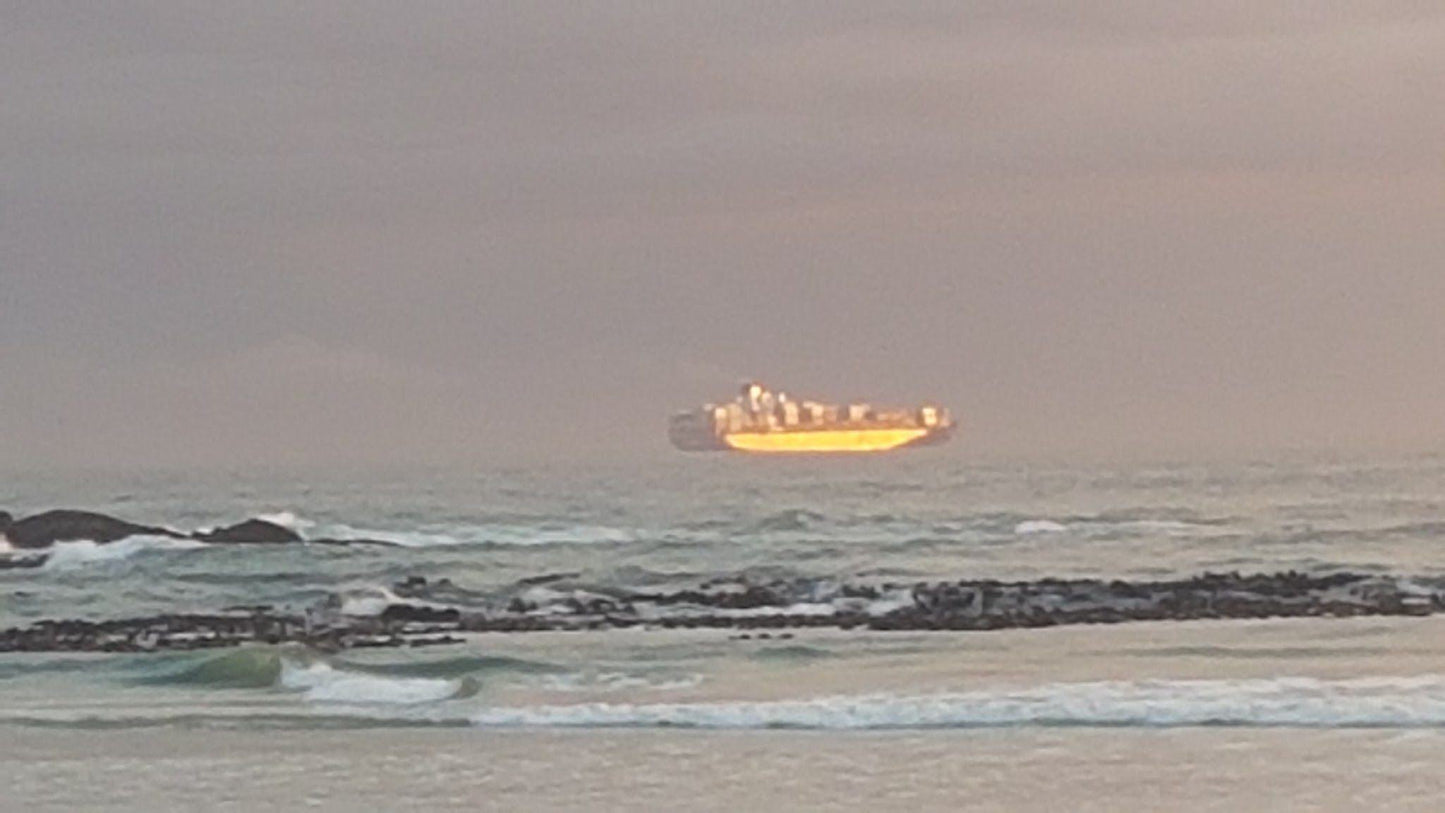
[68, 525]
[31, 536]
[416, 611]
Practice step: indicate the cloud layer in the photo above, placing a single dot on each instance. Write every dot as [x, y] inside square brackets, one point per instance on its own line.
[462, 233]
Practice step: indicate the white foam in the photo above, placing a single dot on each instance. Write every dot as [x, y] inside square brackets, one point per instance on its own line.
[1039, 526]
[322, 683]
[370, 600]
[450, 535]
[1167, 527]
[83, 552]
[288, 520]
[5, 546]
[1289, 702]
[550, 601]
[367, 601]
[828, 606]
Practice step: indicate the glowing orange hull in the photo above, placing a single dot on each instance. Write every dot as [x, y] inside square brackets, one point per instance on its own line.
[826, 440]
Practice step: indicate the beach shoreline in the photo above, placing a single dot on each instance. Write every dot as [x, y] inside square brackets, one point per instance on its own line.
[472, 769]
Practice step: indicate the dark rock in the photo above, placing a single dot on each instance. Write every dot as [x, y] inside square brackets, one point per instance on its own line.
[407, 613]
[250, 532]
[958, 606]
[441, 640]
[533, 581]
[66, 525]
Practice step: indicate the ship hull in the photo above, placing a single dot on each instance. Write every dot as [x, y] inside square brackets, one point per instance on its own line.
[763, 422]
[818, 441]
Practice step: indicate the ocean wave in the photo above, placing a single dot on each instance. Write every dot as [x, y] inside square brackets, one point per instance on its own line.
[453, 535]
[294, 667]
[323, 683]
[288, 520]
[1168, 527]
[618, 681]
[346, 698]
[240, 669]
[1164, 515]
[83, 553]
[454, 667]
[1397, 702]
[1111, 525]
[366, 600]
[791, 520]
[791, 653]
[1417, 529]
[1039, 526]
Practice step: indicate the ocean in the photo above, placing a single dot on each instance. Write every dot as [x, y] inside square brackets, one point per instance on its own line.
[765, 703]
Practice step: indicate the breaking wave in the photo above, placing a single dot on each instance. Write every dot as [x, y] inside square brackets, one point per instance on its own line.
[288, 520]
[263, 668]
[301, 671]
[505, 535]
[321, 682]
[342, 694]
[1039, 526]
[82, 553]
[792, 520]
[1122, 524]
[366, 600]
[1402, 702]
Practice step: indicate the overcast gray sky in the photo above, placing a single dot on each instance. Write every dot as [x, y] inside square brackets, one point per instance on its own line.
[433, 232]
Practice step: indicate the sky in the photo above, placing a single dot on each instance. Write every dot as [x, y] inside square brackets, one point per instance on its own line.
[373, 233]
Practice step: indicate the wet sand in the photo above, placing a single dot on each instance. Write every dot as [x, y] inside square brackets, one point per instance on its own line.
[464, 769]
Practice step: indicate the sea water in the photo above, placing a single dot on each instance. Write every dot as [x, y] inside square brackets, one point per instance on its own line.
[915, 517]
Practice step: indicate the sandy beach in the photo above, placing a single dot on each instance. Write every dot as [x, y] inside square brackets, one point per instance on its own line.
[1190, 769]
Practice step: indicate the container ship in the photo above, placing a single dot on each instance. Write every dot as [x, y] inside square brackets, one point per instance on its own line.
[761, 421]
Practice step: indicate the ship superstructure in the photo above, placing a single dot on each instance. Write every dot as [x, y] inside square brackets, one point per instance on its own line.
[759, 420]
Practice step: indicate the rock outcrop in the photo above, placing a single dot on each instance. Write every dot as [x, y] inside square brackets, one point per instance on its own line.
[736, 604]
[67, 525]
[250, 532]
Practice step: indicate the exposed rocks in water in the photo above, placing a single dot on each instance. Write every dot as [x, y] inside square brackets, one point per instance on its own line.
[440, 591]
[250, 532]
[67, 525]
[22, 562]
[43, 530]
[187, 631]
[412, 613]
[424, 617]
[547, 578]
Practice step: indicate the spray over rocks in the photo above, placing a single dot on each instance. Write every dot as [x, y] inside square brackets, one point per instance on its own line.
[28, 542]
